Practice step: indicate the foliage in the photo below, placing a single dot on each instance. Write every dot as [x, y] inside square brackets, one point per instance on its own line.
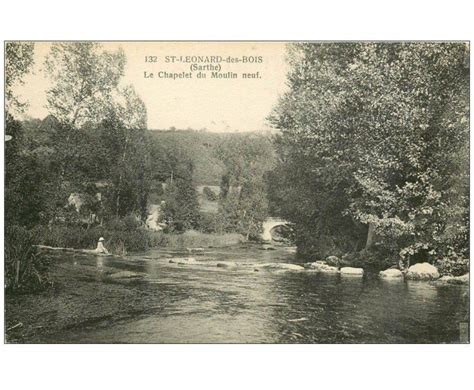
[25, 268]
[96, 134]
[24, 174]
[199, 147]
[125, 148]
[181, 208]
[375, 134]
[243, 202]
[453, 265]
[18, 62]
[84, 78]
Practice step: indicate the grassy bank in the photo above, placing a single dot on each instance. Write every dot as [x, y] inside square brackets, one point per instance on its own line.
[193, 239]
[124, 241]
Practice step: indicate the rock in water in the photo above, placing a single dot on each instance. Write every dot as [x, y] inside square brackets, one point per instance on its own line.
[352, 271]
[226, 264]
[391, 273]
[281, 266]
[422, 271]
[321, 266]
[184, 260]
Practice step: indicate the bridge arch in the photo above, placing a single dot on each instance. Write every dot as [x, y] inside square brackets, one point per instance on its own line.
[269, 225]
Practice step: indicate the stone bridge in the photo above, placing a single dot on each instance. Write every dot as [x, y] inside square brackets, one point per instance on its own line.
[269, 225]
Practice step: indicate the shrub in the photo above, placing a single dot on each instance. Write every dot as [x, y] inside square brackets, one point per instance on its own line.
[454, 266]
[127, 223]
[208, 223]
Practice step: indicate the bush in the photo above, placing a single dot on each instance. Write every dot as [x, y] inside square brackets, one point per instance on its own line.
[453, 266]
[127, 223]
[25, 268]
[208, 223]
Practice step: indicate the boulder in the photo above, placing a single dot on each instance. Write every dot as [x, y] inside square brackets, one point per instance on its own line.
[226, 264]
[321, 266]
[184, 260]
[391, 273]
[464, 279]
[280, 266]
[352, 271]
[422, 271]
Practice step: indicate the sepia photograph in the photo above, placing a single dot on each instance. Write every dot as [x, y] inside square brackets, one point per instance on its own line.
[236, 192]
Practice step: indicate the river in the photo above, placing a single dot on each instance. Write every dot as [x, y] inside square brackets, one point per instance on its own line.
[161, 302]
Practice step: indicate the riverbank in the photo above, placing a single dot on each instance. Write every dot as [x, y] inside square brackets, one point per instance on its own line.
[81, 295]
[123, 239]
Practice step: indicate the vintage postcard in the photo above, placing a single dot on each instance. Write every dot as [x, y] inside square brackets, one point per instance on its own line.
[236, 192]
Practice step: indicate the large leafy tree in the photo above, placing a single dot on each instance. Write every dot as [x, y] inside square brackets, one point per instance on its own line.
[124, 138]
[84, 80]
[101, 127]
[374, 140]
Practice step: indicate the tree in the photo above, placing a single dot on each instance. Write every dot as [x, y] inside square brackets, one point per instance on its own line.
[84, 79]
[18, 62]
[374, 134]
[181, 207]
[26, 182]
[243, 202]
[131, 174]
[101, 127]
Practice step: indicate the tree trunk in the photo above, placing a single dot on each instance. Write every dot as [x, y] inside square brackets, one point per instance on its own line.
[117, 203]
[124, 156]
[370, 236]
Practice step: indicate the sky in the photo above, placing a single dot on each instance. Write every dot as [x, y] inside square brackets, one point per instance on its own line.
[217, 104]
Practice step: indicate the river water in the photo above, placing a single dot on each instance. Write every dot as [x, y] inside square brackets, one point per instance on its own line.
[203, 303]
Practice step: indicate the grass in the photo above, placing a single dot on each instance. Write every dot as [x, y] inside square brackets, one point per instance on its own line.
[193, 239]
[131, 240]
[116, 241]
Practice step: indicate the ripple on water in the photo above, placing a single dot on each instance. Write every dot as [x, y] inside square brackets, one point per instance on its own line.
[202, 303]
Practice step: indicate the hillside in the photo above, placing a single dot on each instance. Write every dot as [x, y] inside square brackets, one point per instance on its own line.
[200, 146]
